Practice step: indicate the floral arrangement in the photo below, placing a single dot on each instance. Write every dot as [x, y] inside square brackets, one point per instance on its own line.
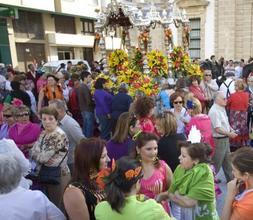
[168, 34]
[144, 36]
[137, 60]
[144, 84]
[180, 61]
[157, 63]
[109, 84]
[194, 70]
[116, 60]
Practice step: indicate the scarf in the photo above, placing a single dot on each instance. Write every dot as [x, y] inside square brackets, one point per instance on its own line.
[197, 183]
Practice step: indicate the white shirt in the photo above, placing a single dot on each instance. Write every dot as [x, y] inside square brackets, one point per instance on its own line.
[182, 118]
[219, 119]
[231, 86]
[22, 204]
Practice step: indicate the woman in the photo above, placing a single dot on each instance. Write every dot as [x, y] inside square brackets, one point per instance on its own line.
[9, 148]
[23, 132]
[197, 90]
[18, 91]
[121, 189]
[103, 102]
[157, 175]
[166, 124]
[192, 193]
[8, 120]
[17, 202]
[120, 144]
[50, 92]
[83, 193]
[201, 121]
[144, 110]
[180, 112]
[239, 199]
[237, 105]
[51, 151]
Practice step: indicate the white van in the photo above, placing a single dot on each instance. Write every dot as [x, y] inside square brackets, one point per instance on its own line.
[53, 66]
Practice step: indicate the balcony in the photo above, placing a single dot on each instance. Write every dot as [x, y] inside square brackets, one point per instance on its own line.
[73, 40]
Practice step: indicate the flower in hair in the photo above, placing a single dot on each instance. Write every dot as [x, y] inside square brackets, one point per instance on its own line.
[17, 102]
[132, 173]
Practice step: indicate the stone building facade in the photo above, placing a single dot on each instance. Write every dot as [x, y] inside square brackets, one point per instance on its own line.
[226, 26]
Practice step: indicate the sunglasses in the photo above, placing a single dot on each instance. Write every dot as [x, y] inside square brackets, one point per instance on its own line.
[208, 75]
[7, 116]
[22, 115]
[179, 102]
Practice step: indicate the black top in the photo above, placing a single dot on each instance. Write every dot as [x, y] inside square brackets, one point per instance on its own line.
[168, 150]
[92, 197]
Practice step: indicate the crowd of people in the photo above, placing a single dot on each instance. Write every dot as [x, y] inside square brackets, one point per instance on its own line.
[68, 152]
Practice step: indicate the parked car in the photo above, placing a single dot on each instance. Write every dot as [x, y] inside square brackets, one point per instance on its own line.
[54, 66]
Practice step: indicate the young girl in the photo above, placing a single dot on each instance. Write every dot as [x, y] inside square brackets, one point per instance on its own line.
[157, 175]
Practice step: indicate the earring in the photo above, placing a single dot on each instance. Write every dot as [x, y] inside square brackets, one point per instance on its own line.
[156, 160]
[138, 157]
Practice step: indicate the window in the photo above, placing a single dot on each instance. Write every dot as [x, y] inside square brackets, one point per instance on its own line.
[88, 54]
[64, 24]
[29, 25]
[194, 47]
[88, 26]
[27, 53]
[65, 53]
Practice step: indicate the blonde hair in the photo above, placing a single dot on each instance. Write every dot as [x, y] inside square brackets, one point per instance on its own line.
[197, 107]
[168, 122]
[8, 108]
[239, 84]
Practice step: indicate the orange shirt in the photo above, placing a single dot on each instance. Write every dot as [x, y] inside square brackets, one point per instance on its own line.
[243, 206]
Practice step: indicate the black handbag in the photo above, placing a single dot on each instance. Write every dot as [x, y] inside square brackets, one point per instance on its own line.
[50, 175]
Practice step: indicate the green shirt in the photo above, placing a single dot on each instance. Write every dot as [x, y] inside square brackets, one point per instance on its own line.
[198, 184]
[133, 209]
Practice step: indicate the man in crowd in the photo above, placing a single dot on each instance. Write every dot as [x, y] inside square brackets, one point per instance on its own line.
[86, 104]
[70, 127]
[209, 86]
[221, 133]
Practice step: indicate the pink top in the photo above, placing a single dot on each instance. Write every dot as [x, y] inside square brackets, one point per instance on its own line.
[24, 134]
[203, 124]
[147, 125]
[155, 184]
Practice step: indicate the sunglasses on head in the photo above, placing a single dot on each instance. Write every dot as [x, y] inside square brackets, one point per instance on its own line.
[178, 102]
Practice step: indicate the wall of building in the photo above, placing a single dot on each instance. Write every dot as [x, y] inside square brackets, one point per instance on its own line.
[234, 28]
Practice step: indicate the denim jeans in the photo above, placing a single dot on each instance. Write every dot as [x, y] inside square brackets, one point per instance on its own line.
[88, 123]
[105, 125]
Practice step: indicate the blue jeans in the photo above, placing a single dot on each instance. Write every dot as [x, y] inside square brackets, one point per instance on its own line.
[105, 125]
[88, 123]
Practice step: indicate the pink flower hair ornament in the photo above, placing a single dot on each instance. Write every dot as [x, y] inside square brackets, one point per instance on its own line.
[17, 102]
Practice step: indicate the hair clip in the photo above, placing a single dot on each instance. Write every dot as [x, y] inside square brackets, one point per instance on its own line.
[132, 173]
[137, 135]
[17, 102]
